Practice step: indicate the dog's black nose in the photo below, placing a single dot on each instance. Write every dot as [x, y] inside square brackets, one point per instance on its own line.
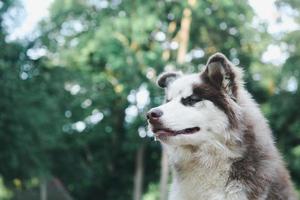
[154, 113]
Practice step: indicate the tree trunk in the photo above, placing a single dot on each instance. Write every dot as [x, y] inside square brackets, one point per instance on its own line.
[43, 189]
[164, 176]
[184, 32]
[139, 173]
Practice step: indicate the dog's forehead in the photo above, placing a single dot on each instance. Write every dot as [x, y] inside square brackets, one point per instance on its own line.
[183, 86]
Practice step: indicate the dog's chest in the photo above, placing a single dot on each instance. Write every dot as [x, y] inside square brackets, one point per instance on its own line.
[200, 184]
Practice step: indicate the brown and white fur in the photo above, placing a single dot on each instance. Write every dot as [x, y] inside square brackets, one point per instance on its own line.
[218, 142]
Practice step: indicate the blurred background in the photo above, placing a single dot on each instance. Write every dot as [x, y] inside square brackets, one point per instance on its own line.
[77, 76]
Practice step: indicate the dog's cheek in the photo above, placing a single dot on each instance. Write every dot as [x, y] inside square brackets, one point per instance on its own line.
[216, 121]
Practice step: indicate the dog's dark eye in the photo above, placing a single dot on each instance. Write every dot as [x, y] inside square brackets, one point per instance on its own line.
[191, 100]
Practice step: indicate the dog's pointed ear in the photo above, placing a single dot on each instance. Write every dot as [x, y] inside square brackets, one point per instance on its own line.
[220, 73]
[166, 78]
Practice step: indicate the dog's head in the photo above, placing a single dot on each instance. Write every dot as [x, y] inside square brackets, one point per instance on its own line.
[200, 107]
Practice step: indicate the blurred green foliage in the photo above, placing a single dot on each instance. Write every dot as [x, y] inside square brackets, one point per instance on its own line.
[76, 112]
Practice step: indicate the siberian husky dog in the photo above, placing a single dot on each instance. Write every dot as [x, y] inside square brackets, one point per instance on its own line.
[218, 142]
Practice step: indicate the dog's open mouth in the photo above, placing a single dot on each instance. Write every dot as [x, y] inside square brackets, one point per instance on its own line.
[168, 132]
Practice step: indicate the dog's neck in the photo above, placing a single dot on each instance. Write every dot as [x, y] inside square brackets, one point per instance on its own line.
[187, 158]
[205, 155]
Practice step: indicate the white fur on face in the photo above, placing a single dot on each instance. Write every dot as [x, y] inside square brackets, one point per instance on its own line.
[209, 118]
